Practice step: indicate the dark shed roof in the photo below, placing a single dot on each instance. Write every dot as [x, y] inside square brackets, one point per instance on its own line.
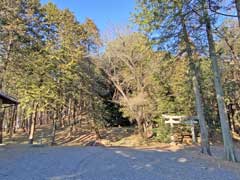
[7, 99]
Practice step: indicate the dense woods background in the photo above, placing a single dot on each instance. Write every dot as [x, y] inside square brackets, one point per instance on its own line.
[184, 60]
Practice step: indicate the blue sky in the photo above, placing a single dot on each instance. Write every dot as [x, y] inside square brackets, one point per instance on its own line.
[103, 12]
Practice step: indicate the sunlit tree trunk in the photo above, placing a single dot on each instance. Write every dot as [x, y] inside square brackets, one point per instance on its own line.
[205, 148]
[227, 137]
[32, 126]
[140, 128]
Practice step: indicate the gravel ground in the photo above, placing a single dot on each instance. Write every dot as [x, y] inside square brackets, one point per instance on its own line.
[98, 163]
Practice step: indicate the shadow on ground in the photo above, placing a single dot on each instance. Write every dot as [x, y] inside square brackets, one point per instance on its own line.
[64, 137]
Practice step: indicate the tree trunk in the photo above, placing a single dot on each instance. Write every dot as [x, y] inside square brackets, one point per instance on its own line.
[205, 148]
[229, 121]
[80, 109]
[69, 112]
[237, 3]
[54, 128]
[8, 120]
[80, 115]
[227, 137]
[32, 126]
[41, 118]
[1, 126]
[96, 130]
[29, 123]
[1, 122]
[233, 122]
[13, 120]
[18, 118]
[23, 120]
[61, 117]
[140, 128]
[6, 61]
[74, 116]
[48, 117]
[31, 130]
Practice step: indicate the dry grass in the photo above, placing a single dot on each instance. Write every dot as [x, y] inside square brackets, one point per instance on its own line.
[80, 136]
[111, 137]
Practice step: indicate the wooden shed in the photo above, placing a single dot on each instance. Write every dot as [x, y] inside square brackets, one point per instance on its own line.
[4, 100]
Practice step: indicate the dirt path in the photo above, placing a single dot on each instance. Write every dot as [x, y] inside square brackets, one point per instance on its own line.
[98, 163]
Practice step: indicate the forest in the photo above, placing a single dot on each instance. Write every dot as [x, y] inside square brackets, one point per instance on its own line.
[182, 59]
